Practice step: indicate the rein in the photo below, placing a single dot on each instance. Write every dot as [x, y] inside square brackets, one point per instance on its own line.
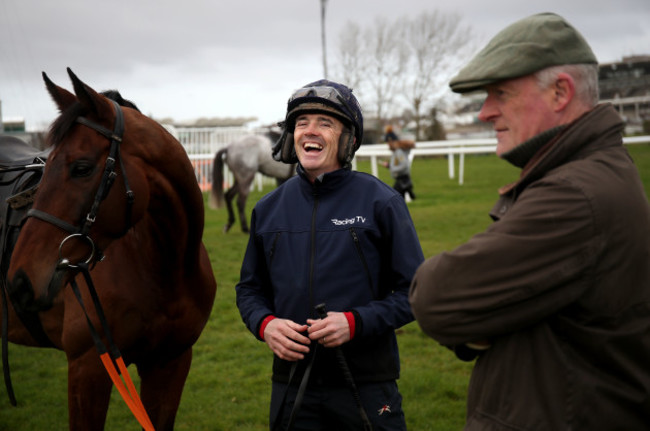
[110, 355]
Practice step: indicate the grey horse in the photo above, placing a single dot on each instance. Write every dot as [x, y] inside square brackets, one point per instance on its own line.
[244, 157]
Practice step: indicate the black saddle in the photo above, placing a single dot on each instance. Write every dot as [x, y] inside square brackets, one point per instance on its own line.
[21, 170]
[14, 153]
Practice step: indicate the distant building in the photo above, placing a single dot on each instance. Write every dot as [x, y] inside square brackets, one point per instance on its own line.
[13, 125]
[209, 122]
[624, 84]
[625, 79]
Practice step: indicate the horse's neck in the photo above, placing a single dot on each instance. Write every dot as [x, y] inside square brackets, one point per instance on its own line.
[175, 205]
[177, 233]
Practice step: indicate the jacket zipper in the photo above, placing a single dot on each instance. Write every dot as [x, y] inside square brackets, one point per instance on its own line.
[357, 244]
[312, 256]
[273, 245]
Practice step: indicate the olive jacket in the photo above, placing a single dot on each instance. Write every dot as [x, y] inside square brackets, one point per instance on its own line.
[559, 285]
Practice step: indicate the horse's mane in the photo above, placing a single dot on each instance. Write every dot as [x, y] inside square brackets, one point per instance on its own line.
[68, 118]
[116, 96]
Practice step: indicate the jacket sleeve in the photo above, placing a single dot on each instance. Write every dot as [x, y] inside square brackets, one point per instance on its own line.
[528, 265]
[404, 255]
[253, 290]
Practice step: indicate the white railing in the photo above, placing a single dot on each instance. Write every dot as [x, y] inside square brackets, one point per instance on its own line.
[450, 149]
[203, 165]
[201, 145]
[432, 148]
[202, 162]
[204, 140]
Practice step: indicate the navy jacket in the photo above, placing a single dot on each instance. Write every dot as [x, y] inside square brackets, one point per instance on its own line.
[347, 241]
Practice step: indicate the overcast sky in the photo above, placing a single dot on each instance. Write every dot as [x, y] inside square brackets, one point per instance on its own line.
[188, 59]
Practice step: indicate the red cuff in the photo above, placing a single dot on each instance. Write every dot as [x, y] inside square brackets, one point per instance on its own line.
[351, 322]
[265, 322]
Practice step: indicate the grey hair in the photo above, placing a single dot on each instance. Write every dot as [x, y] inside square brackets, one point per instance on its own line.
[585, 77]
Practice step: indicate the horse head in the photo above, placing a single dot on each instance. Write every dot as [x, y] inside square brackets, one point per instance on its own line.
[91, 193]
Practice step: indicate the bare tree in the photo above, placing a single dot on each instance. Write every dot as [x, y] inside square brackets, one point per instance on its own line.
[372, 61]
[386, 64]
[434, 41]
[407, 60]
[351, 57]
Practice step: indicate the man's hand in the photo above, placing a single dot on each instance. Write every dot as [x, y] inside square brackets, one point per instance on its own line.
[332, 331]
[284, 338]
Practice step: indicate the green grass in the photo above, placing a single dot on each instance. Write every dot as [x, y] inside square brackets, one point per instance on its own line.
[229, 384]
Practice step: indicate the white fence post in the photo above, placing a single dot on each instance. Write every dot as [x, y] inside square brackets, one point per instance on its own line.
[450, 165]
[461, 168]
[373, 164]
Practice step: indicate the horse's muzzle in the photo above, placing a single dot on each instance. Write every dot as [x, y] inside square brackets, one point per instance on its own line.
[22, 294]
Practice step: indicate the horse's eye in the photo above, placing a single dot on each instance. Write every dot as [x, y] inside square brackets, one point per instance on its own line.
[81, 169]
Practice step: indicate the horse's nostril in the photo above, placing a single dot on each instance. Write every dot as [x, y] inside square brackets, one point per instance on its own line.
[25, 299]
[21, 293]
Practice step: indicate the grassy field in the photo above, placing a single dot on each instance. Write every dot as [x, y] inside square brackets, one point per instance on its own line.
[229, 384]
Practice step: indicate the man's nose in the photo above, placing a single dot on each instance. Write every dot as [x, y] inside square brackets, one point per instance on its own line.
[488, 111]
[312, 128]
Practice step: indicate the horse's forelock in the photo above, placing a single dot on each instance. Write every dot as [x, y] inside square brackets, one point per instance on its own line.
[64, 122]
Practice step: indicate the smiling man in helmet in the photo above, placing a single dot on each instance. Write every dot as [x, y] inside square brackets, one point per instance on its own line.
[337, 237]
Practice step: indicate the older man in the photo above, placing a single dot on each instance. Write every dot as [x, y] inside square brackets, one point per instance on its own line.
[554, 297]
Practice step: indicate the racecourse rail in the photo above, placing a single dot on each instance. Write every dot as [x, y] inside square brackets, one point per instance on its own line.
[201, 145]
[450, 149]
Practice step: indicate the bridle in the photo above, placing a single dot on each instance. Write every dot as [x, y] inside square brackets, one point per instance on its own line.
[108, 178]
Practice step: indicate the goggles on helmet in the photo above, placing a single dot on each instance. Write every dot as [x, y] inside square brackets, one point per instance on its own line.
[330, 94]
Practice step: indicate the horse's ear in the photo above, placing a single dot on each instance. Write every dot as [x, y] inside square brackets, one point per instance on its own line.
[90, 98]
[62, 97]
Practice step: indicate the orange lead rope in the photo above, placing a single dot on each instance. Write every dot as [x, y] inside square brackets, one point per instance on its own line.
[127, 391]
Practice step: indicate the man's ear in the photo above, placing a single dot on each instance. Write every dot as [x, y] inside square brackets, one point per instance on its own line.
[346, 146]
[564, 91]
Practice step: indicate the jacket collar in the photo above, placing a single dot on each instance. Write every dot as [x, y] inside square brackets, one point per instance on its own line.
[326, 182]
[592, 131]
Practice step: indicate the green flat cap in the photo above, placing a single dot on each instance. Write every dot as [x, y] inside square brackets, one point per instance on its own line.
[528, 45]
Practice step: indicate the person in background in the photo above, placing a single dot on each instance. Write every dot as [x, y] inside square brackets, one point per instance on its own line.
[399, 163]
[390, 134]
[553, 299]
[336, 237]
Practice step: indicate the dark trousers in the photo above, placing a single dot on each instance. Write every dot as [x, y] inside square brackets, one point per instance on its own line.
[403, 185]
[327, 408]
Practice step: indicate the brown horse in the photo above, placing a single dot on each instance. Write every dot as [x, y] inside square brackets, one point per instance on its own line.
[135, 219]
[244, 157]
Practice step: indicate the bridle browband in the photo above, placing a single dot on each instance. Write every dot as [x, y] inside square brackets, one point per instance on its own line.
[108, 178]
